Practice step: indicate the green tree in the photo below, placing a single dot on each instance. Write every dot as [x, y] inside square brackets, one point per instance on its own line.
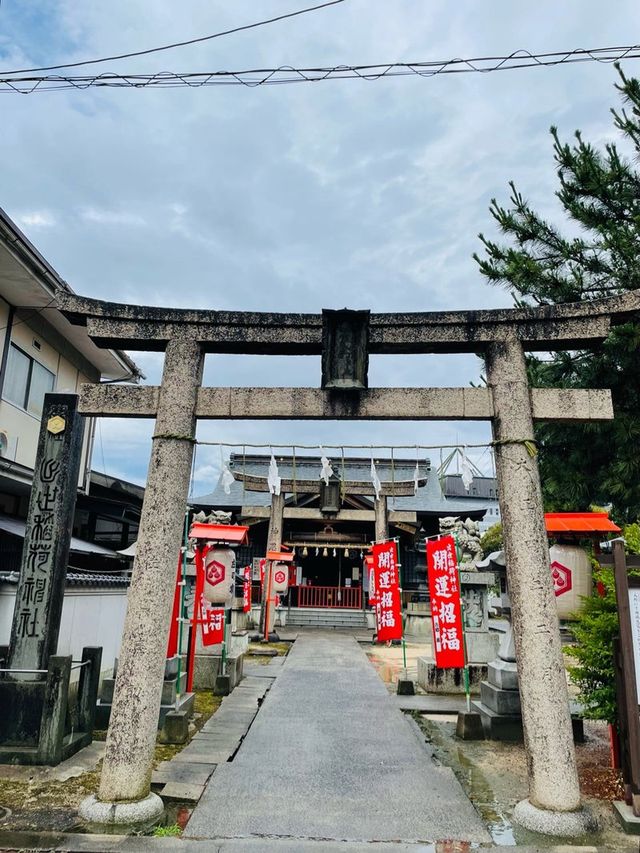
[595, 628]
[599, 256]
[492, 540]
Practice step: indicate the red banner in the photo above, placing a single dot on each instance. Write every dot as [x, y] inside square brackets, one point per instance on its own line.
[212, 621]
[172, 647]
[209, 618]
[262, 564]
[387, 592]
[246, 590]
[446, 612]
[368, 567]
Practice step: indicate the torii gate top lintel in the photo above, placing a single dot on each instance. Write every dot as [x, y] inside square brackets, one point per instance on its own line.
[539, 328]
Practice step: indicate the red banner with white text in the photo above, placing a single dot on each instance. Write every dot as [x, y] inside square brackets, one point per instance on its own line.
[446, 612]
[387, 591]
[212, 621]
[246, 590]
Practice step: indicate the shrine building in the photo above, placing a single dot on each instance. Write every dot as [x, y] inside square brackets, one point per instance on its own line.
[330, 526]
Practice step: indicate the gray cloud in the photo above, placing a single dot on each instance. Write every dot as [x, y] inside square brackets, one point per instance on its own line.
[292, 198]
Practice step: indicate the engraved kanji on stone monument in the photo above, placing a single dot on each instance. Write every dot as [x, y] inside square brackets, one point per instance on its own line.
[38, 607]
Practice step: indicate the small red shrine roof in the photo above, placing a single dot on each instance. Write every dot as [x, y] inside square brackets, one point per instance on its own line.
[235, 534]
[280, 556]
[579, 522]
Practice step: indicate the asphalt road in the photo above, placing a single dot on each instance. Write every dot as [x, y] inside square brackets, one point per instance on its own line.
[330, 756]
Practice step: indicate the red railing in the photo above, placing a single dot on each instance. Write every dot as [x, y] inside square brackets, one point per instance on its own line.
[330, 596]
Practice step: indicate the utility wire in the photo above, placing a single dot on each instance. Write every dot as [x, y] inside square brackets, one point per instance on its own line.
[175, 44]
[287, 74]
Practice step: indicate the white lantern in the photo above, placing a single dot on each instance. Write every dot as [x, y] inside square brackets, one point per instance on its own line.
[219, 571]
[280, 578]
[571, 571]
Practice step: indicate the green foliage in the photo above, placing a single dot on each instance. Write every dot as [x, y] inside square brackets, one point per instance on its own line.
[595, 628]
[631, 533]
[164, 831]
[492, 539]
[599, 190]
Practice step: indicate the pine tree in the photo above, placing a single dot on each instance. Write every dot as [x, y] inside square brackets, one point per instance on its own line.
[599, 190]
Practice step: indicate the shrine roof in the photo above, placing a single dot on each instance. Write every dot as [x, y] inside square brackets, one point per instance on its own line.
[579, 522]
[428, 500]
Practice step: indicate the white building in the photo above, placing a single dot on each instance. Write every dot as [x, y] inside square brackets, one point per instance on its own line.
[42, 351]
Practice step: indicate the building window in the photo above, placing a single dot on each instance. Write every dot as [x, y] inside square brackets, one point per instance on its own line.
[27, 381]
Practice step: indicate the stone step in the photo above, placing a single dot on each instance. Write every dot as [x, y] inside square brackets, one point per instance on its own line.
[326, 617]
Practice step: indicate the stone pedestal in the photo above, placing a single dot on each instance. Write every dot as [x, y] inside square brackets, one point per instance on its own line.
[173, 698]
[433, 679]
[499, 704]
[39, 723]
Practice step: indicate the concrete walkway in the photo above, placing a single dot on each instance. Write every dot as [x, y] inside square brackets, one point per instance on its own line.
[330, 756]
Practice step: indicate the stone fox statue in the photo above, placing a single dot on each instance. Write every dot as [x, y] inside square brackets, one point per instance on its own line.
[467, 535]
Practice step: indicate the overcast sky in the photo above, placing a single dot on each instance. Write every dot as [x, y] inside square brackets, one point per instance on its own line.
[303, 197]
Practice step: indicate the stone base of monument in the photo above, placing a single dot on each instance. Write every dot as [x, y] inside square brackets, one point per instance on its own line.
[629, 822]
[121, 818]
[42, 721]
[207, 668]
[173, 699]
[469, 726]
[433, 679]
[222, 687]
[499, 705]
[175, 728]
[560, 824]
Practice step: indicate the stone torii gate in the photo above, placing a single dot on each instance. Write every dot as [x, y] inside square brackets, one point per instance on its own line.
[344, 339]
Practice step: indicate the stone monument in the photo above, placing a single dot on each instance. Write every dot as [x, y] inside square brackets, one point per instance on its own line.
[34, 686]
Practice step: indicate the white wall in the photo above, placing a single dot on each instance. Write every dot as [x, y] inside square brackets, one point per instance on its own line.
[90, 617]
[22, 427]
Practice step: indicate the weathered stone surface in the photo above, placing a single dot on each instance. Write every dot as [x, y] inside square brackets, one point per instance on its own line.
[553, 776]
[500, 701]
[549, 404]
[469, 726]
[136, 703]
[504, 674]
[175, 728]
[436, 680]
[563, 824]
[45, 553]
[542, 327]
[146, 813]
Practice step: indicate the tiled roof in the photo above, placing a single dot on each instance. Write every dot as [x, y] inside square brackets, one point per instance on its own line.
[79, 579]
[427, 500]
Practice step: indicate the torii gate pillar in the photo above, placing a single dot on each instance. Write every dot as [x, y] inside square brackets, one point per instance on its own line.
[554, 792]
[123, 796]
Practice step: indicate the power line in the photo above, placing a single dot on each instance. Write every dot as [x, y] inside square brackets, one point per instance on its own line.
[287, 74]
[176, 44]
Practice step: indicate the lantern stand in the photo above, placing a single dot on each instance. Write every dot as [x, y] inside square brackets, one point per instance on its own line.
[467, 685]
[223, 536]
[182, 582]
[273, 557]
[405, 686]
